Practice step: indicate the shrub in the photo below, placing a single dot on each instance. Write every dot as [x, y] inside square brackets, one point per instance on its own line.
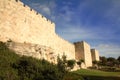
[70, 64]
[14, 67]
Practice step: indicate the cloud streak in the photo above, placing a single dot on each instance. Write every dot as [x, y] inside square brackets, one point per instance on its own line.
[109, 50]
[75, 33]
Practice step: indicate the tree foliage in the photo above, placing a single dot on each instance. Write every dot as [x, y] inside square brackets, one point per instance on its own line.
[110, 61]
[80, 62]
[103, 60]
[14, 67]
[61, 64]
[71, 63]
[118, 58]
[95, 62]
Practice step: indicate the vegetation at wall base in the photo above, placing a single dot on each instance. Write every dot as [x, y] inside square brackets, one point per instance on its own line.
[70, 64]
[14, 67]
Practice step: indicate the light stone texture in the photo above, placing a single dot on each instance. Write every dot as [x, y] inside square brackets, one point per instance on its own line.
[95, 55]
[82, 51]
[34, 35]
[21, 24]
[34, 50]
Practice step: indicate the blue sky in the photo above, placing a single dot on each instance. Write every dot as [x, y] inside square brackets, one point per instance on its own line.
[95, 21]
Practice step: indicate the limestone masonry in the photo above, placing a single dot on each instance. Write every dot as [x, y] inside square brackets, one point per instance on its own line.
[34, 35]
[95, 55]
[82, 50]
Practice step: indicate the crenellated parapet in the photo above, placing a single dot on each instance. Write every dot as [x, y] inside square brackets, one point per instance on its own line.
[19, 3]
[20, 24]
[35, 12]
[34, 35]
[16, 14]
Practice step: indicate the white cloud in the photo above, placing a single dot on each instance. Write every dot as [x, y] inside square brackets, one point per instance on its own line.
[46, 8]
[109, 50]
[72, 33]
[43, 8]
[66, 14]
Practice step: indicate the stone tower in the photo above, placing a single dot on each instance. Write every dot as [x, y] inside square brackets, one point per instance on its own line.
[82, 51]
[95, 55]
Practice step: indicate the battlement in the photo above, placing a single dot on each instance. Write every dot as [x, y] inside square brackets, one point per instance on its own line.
[18, 2]
[27, 28]
[20, 23]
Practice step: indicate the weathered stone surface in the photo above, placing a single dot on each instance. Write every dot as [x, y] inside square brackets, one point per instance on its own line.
[95, 55]
[22, 24]
[34, 50]
[82, 51]
[34, 35]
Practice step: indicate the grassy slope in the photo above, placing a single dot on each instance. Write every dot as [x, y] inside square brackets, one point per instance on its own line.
[97, 73]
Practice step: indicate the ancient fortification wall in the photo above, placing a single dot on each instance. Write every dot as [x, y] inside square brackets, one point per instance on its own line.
[34, 35]
[87, 52]
[82, 51]
[79, 50]
[95, 55]
[22, 24]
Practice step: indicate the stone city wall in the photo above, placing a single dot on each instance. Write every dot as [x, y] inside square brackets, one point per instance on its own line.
[87, 54]
[79, 51]
[20, 23]
[33, 50]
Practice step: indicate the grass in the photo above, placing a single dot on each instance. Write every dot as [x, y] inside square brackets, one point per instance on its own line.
[97, 74]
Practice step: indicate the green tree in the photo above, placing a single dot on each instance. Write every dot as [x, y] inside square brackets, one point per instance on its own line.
[95, 64]
[70, 64]
[80, 62]
[118, 58]
[7, 58]
[111, 61]
[14, 67]
[103, 61]
[61, 64]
